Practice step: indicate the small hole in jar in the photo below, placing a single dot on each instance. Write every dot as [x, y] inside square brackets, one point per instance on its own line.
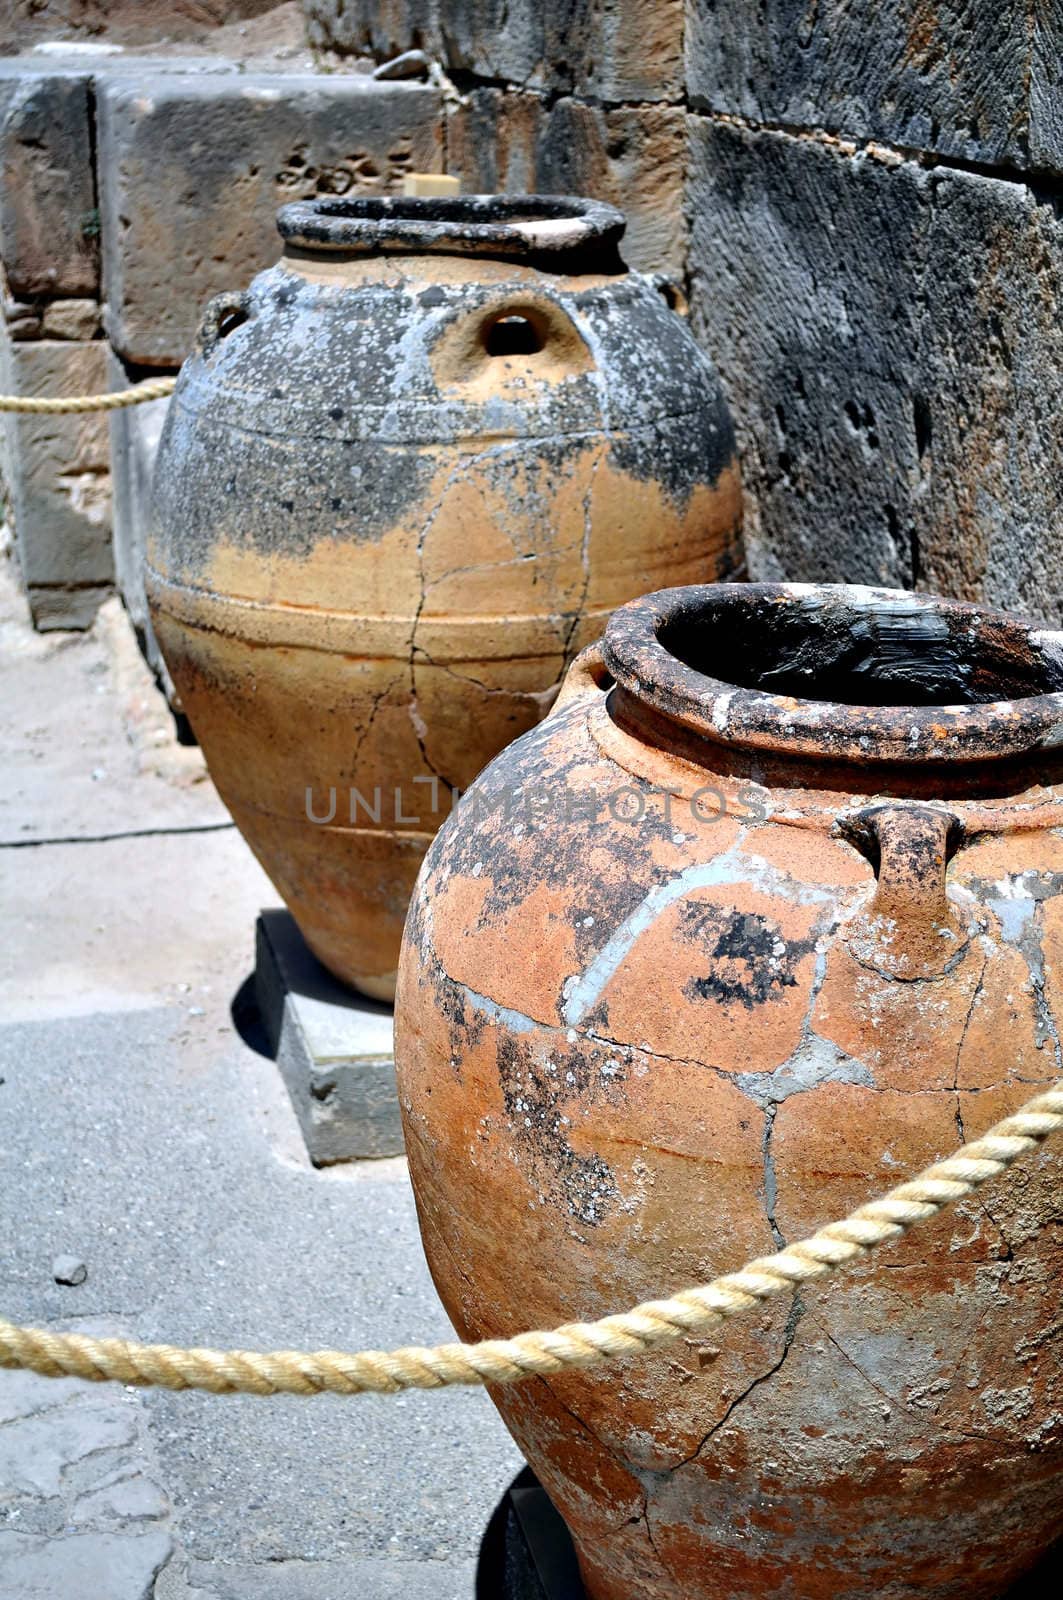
[232, 318]
[671, 293]
[513, 336]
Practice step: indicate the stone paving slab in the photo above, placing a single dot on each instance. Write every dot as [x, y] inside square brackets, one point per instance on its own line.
[81, 1510]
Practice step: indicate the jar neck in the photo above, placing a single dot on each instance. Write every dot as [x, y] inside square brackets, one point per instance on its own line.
[844, 674]
[566, 235]
[824, 775]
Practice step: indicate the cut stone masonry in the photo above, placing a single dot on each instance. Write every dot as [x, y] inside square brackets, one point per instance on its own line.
[864, 199]
[861, 199]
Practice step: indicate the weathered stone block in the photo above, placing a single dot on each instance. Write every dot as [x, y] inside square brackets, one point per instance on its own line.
[21, 318]
[623, 50]
[48, 221]
[335, 1049]
[951, 76]
[989, 499]
[1046, 88]
[381, 28]
[70, 319]
[193, 169]
[805, 288]
[135, 434]
[631, 155]
[57, 470]
[888, 338]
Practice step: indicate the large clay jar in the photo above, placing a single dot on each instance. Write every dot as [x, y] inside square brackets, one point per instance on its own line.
[767, 915]
[405, 477]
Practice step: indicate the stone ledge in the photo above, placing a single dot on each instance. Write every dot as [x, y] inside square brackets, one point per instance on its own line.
[334, 1048]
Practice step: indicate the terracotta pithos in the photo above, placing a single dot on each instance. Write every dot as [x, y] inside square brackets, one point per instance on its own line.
[766, 916]
[405, 477]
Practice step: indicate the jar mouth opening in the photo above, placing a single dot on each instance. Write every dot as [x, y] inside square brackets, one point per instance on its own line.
[522, 225]
[842, 671]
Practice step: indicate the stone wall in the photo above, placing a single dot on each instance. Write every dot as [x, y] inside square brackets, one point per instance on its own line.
[133, 187]
[865, 199]
[862, 196]
[564, 96]
[876, 259]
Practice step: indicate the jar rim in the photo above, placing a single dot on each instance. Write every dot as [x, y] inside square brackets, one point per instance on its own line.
[520, 225]
[842, 672]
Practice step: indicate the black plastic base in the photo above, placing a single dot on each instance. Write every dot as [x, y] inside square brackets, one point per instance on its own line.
[526, 1554]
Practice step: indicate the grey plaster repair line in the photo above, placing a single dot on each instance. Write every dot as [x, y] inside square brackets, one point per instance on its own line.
[108, 838]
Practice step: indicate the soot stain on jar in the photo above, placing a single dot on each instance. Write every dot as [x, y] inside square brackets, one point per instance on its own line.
[536, 1087]
[750, 960]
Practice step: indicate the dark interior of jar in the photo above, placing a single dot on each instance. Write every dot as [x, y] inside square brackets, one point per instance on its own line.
[881, 653]
[462, 211]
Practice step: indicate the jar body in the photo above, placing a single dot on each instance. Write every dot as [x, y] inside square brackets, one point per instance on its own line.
[648, 1028]
[384, 524]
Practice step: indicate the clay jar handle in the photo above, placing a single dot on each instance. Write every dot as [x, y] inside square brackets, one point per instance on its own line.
[221, 316]
[909, 928]
[514, 333]
[588, 674]
[671, 292]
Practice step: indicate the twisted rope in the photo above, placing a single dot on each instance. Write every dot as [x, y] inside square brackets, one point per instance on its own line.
[155, 389]
[574, 1345]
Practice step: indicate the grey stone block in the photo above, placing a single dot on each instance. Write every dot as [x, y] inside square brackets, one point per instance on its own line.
[889, 340]
[632, 156]
[954, 77]
[805, 287]
[57, 470]
[21, 318]
[335, 1049]
[108, 1566]
[49, 225]
[988, 501]
[193, 169]
[627, 50]
[135, 434]
[1046, 87]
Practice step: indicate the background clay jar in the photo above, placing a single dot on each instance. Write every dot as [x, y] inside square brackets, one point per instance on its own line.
[701, 963]
[405, 477]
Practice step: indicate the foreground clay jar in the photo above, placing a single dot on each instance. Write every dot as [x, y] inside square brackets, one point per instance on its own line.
[766, 916]
[404, 479]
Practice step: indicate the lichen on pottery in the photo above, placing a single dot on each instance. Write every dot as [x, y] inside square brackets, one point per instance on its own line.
[405, 477]
[765, 916]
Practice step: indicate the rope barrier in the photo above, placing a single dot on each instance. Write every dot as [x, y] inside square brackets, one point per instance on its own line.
[574, 1345]
[154, 389]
